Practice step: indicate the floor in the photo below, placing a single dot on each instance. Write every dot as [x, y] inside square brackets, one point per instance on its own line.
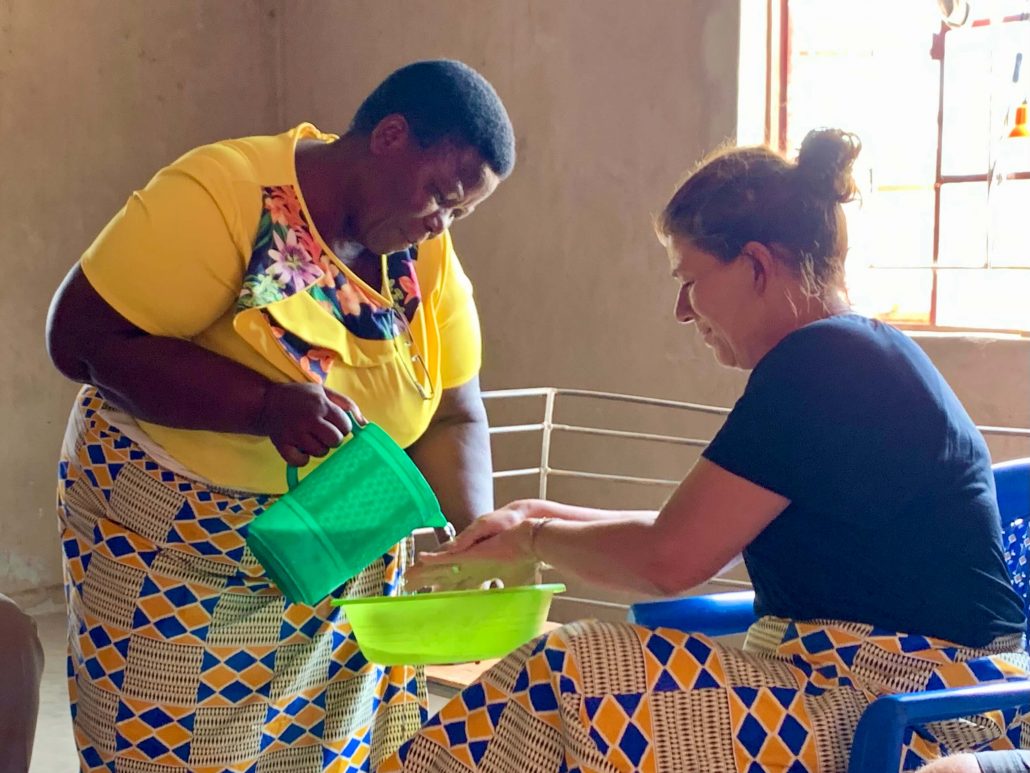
[54, 750]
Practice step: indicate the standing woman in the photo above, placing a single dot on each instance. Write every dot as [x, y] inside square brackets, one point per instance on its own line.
[848, 475]
[223, 323]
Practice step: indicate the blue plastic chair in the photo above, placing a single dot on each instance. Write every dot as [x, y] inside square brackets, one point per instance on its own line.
[877, 745]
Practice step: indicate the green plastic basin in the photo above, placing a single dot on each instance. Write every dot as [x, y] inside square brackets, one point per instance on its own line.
[448, 627]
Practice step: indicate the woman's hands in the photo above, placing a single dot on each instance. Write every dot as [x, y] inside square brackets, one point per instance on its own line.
[496, 546]
[304, 420]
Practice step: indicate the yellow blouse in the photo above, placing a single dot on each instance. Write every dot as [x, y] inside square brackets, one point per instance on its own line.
[219, 249]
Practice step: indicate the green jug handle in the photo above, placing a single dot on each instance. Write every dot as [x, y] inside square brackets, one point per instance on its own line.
[293, 473]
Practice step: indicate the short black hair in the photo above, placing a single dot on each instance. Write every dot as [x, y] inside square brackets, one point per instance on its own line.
[444, 99]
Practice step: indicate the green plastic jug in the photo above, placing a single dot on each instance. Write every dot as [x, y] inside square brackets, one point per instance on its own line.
[342, 516]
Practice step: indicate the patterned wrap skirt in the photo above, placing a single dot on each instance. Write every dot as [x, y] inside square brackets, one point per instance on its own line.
[606, 697]
[181, 654]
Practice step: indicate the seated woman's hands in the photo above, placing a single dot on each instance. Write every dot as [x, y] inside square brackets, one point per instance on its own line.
[497, 546]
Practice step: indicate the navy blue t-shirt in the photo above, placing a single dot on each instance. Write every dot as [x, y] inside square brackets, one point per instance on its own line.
[892, 518]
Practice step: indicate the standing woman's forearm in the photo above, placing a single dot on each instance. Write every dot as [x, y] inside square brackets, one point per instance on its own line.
[454, 455]
[179, 384]
[176, 383]
[167, 381]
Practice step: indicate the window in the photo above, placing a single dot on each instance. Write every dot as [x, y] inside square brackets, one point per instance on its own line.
[941, 236]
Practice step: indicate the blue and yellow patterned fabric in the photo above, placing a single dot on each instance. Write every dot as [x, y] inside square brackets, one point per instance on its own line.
[608, 697]
[182, 655]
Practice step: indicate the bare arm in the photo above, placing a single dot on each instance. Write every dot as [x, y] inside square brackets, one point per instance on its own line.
[543, 508]
[707, 522]
[177, 383]
[454, 455]
[153, 378]
[710, 518]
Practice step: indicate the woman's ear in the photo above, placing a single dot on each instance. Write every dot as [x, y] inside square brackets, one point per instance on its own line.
[763, 264]
[389, 134]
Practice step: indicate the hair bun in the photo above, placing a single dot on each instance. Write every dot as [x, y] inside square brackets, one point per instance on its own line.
[825, 161]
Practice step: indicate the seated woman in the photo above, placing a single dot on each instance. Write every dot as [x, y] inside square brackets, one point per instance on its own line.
[848, 475]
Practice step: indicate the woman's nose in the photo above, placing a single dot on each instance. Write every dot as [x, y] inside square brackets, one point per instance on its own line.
[684, 311]
[438, 222]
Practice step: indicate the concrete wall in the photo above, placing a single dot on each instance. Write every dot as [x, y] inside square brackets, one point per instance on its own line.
[992, 379]
[95, 96]
[612, 101]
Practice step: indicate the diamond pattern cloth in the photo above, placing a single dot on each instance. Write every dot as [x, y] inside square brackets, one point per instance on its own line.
[595, 697]
[182, 655]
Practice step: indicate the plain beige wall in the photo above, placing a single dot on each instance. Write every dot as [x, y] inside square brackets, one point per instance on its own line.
[95, 96]
[612, 101]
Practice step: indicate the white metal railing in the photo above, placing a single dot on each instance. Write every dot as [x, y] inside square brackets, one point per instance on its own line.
[548, 428]
[1004, 431]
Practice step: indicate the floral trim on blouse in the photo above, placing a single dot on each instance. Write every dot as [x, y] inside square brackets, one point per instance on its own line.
[287, 259]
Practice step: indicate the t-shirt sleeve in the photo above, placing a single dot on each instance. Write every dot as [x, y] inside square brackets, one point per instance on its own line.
[172, 260]
[801, 411]
[460, 338]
